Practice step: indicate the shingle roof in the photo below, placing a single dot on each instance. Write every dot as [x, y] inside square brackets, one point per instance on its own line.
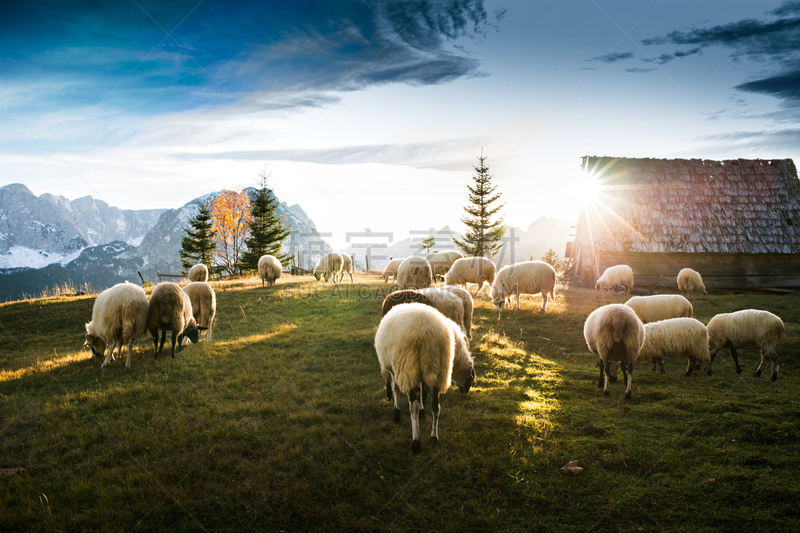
[696, 206]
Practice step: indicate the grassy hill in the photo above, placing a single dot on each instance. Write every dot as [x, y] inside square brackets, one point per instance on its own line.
[282, 424]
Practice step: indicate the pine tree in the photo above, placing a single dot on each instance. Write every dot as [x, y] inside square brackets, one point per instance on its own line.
[484, 236]
[427, 244]
[267, 232]
[551, 258]
[197, 245]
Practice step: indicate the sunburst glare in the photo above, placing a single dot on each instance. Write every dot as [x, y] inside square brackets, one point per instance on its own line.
[588, 188]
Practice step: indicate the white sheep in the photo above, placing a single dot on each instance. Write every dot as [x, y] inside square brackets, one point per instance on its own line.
[442, 261]
[414, 273]
[660, 307]
[529, 277]
[469, 306]
[204, 304]
[269, 269]
[119, 317]
[677, 338]
[390, 270]
[616, 276]
[690, 282]
[615, 334]
[328, 267]
[418, 347]
[748, 329]
[198, 273]
[471, 270]
[451, 305]
[347, 267]
[171, 310]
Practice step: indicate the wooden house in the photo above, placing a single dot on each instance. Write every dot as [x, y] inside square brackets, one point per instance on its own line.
[736, 222]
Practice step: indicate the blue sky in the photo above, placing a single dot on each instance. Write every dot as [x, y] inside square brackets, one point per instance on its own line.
[371, 114]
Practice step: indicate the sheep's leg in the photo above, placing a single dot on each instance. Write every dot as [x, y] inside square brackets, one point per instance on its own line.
[736, 360]
[544, 302]
[163, 340]
[774, 366]
[628, 378]
[480, 287]
[396, 395]
[600, 381]
[690, 366]
[130, 348]
[435, 416]
[413, 406]
[109, 349]
[761, 366]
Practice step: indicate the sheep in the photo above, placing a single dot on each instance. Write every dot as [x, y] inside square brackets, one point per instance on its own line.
[171, 309]
[614, 333]
[616, 276]
[328, 267]
[442, 261]
[469, 306]
[471, 270]
[390, 270]
[449, 303]
[748, 329]
[347, 267]
[269, 269]
[198, 273]
[660, 307]
[690, 282]
[204, 304]
[418, 347]
[414, 273]
[119, 317]
[685, 338]
[529, 277]
[403, 297]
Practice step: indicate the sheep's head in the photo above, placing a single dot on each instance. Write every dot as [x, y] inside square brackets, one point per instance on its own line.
[597, 286]
[191, 332]
[317, 275]
[463, 366]
[95, 344]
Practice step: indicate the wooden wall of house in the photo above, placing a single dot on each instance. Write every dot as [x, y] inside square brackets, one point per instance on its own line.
[720, 271]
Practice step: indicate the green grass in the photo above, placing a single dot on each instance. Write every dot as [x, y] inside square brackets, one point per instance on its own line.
[282, 423]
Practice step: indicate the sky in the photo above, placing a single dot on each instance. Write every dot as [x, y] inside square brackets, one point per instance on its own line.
[371, 114]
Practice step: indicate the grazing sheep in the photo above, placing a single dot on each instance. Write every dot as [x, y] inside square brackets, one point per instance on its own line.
[419, 347]
[171, 310]
[204, 304]
[347, 267]
[442, 261]
[119, 317]
[449, 304]
[471, 270]
[748, 329]
[269, 269]
[660, 307]
[529, 277]
[414, 273]
[198, 273]
[403, 297]
[469, 306]
[677, 338]
[329, 266]
[614, 333]
[690, 282]
[391, 269]
[616, 276]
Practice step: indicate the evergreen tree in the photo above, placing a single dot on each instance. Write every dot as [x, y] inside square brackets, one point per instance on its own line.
[267, 232]
[197, 245]
[484, 236]
[551, 258]
[427, 244]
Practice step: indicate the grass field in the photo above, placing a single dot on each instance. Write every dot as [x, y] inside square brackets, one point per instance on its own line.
[282, 424]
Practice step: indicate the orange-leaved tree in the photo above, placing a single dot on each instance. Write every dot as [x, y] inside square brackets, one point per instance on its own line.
[230, 213]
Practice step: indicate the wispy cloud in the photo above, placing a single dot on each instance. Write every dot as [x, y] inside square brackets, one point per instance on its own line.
[612, 57]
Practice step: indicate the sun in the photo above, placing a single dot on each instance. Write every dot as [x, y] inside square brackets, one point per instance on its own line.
[588, 189]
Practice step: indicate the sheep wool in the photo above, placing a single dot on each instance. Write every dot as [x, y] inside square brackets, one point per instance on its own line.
[469, 306]
[660, 307]
[471, 270]
[204, 304]
[414, 273]
[616, 276]
[752, 329]
[690, 282]
[390, 270]
[614, 333]
[442, 261]
[677, 338]
[171, 310]
[119, 317]
[269, 269]
[529, 277]
[328, 267]
[198, 273]
[405, 296]
[347, 267]
[419, 347]
[450, 304]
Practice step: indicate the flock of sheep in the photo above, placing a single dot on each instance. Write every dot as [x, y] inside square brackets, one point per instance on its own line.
[649, 328]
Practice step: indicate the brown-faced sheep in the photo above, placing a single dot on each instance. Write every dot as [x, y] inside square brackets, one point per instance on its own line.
[119, 317]
[660, 307]
[414, 273]
[269, 269]
[328, 267]
[616, 276]
[676, 338]
[748, 329]
[419, 347]
[171, 310]
[690, 282]
[471, 270]
[529, 277]
[198, 273]
[614, 333]
[204, 304]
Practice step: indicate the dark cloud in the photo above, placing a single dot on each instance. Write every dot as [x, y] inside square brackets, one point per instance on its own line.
[612, 57]
[785, 86]
[637, 70]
